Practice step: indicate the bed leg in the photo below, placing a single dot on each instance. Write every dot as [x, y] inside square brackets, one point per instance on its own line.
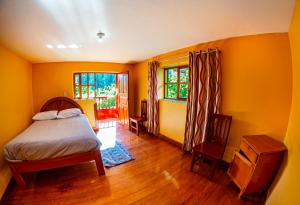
[18, 177]
[99, 163]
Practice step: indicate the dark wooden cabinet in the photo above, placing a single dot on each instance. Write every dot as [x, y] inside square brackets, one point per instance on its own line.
[255, 165]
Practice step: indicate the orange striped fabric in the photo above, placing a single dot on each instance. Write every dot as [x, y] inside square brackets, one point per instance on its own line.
[152, 109]
[204, 95]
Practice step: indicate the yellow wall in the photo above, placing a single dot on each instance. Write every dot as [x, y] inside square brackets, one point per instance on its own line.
[16, 103]
[172, 119]
[256, 87]
[56, 79]
[88, 107]
[140, 82]
[286, 190]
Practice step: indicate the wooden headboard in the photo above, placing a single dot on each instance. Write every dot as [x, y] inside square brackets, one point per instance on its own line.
[60, 103]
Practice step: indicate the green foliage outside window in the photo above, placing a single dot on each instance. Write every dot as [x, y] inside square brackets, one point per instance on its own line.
[172, 90]
[99, 86]
[110, 92]
[183, 91]
[176, 83]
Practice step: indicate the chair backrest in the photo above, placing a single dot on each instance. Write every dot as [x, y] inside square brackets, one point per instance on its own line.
[218, 129]
[144, 109]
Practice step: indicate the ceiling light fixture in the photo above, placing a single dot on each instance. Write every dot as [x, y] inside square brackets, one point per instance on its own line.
[100, 36]
[49, 46]
[73, 46]
[61, 46]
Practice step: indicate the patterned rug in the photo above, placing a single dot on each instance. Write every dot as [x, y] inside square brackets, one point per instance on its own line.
[115, 155]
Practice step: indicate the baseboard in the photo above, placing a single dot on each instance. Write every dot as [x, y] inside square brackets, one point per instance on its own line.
[169, 140]
[5, 197]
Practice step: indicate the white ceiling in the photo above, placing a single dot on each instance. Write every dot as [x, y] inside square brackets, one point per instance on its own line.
[135, 29]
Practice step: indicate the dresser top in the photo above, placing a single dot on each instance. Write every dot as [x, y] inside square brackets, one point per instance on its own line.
[263, 144]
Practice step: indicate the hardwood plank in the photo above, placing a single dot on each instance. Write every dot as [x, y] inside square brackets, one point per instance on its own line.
[158, 175]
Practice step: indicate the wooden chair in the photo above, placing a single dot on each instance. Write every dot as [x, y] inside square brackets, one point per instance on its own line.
[213, 147]
[135, 122]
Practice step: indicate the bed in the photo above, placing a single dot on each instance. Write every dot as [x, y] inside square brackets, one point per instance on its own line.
[53, 143]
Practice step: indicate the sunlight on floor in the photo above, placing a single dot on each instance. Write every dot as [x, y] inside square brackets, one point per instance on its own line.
[107, 133]
[171, 179]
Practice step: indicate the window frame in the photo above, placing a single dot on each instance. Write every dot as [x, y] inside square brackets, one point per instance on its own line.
[80, 85]
[178, 83]
[88, 84]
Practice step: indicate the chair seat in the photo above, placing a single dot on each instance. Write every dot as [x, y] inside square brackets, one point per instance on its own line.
[212, 150]
[138, 119]
[215, 141]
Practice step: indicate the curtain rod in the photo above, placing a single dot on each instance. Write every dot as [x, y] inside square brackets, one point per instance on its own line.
[186, 55]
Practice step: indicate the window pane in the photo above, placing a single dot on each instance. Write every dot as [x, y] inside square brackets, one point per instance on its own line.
[91, 78]
[98, 93]
[98, 80]
[77, 79]
[126, 84]
[98, 84]
[171, 90]
[77, 92]
[105, 79]
[172, 75]
[184, 75]
[84, 91]
[121, 85]
[83, 78]
[183, 91]
[91, 91]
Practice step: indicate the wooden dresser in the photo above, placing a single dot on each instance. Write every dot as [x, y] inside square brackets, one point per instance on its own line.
[255, 165]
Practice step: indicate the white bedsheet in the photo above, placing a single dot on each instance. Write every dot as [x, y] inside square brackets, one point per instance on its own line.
[53, 138]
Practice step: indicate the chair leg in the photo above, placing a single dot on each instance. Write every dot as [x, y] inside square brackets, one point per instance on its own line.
[129, 125]
[215, 165]
[137, 129]
[193, 161]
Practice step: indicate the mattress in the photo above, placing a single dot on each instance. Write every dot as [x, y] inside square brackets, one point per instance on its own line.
[51, 139]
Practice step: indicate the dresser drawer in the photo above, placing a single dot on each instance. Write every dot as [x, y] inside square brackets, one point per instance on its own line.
[240, 170]
[249, 152]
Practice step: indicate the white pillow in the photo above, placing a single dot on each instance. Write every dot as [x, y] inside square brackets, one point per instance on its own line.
[47, 115]
[72, 112]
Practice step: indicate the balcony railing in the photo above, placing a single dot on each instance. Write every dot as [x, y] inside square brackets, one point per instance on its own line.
[107, 107]
[106, 102]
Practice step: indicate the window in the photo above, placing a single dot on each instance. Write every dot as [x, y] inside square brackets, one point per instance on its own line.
[176, 82]
[84, 85]
[94, 85]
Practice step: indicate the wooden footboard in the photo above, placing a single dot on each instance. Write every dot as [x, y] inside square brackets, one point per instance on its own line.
[17, 168]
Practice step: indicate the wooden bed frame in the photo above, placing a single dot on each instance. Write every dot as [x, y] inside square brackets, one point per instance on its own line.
[17, 168]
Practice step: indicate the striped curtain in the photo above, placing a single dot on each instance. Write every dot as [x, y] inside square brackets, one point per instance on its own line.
[152, 108]
[203, 95]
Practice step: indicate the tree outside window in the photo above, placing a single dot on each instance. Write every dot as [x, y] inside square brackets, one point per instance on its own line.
[96, 86]
[176, 82]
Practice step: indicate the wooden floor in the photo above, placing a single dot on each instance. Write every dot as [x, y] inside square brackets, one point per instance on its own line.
[158, 175]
